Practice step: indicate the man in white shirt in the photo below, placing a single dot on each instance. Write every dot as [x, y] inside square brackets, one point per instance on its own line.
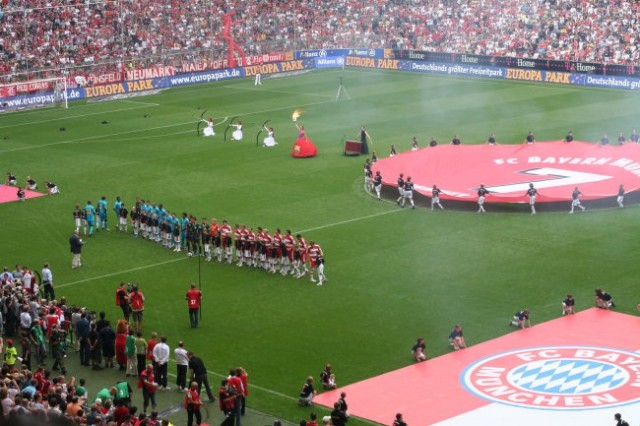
[182, 361]
[161, 353]
[25, 318]
[47, 282]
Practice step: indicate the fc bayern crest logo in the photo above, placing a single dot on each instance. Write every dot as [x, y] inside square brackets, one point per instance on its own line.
[557, 377]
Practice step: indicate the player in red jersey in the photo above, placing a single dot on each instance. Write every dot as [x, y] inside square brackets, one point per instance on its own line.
[270, 253]
[237, 238]
[280, 249]
[315, 253]
[244, 246]
[250, 253]
[260, 251]
[300, 260]
[214, 230]
[289, 245]
[225, 235]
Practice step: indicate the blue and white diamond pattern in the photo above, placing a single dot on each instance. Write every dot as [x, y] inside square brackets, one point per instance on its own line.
[568, 376]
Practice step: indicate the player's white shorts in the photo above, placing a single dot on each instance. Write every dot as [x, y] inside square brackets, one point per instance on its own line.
[408, 194]
[78, 222]
[435, 200]
[532, 200]
[620, 199]
[575, 203]
[480, 200]
[378, 188]
[53, 190]
[401, 191]
[123, 221]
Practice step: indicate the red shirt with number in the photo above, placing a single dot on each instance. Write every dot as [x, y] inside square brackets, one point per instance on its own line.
[193, 298]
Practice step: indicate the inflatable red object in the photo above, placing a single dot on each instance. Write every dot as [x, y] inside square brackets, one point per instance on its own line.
[304, 148]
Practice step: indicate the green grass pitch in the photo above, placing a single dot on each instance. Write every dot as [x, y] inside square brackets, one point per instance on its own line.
[393, 274]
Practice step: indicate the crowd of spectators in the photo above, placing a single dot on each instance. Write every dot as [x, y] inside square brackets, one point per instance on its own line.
[37, 335]
[110, 35]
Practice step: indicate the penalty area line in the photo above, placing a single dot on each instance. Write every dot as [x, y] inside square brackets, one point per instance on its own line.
[355, 219]
[284, 92]
[67, 117]
[113, 274]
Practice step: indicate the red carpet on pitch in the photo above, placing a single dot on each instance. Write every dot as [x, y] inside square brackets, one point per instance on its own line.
[10, 193]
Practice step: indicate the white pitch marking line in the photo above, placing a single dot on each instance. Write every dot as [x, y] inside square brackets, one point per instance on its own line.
[67, 117]
[253, 385]
[139, 268]
[344, 222]
[278, 91]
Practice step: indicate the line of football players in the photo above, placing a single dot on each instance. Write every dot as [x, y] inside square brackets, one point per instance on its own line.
[274, 253]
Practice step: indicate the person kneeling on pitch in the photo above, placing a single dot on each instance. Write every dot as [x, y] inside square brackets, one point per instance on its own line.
[456, 339]
[307, 393]
[521, 319]
[52, 188]
[604, 300]
[418, 350]
[568, 305]
[327, 378]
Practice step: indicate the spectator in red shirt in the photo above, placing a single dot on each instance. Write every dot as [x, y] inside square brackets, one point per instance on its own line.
[194, 299]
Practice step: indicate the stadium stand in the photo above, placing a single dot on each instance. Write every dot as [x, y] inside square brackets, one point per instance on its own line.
[40, 35]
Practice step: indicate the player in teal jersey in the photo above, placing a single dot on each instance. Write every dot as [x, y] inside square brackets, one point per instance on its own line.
[90, 216]
[102, 213]
[117, 206]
